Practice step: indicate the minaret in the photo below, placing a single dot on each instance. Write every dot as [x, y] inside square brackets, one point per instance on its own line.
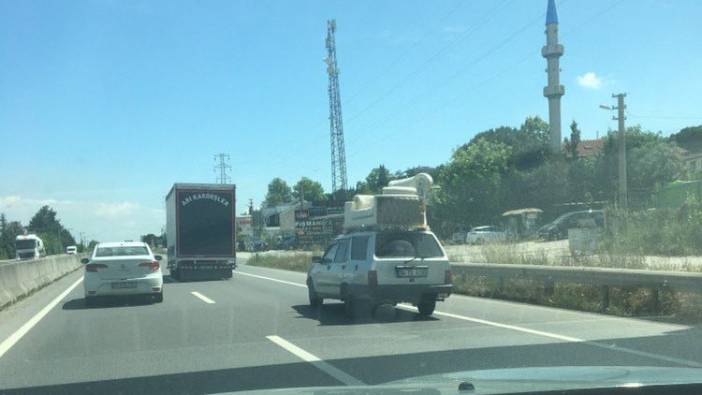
[554, 90]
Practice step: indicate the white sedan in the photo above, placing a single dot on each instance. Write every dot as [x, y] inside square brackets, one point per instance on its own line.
[485, 234]
[122, 268]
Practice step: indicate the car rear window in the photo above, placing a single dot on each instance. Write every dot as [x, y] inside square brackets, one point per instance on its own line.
[121, 251]
[407, 245]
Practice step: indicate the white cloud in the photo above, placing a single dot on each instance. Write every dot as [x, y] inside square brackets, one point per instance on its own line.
[98, 220]
[590, 80]
[115, 210]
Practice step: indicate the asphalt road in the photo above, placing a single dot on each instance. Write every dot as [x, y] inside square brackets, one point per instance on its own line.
[256, 331]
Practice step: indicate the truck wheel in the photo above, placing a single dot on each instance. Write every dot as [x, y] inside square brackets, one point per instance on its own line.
[426, 307]
[315, 299]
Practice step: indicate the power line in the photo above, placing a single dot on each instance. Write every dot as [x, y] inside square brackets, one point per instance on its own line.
[683, 117]
[424, 64]
[413, 101]
[404, 53]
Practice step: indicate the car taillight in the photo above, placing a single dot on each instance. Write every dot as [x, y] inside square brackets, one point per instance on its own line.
[93, 267]
[448, 277]
[154, 265]
[372, 278]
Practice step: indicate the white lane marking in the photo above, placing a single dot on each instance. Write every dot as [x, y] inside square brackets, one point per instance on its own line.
[24, 329]
[315, 361]
[273, 279]
[556, 336]
[551, 335]
[202, 297]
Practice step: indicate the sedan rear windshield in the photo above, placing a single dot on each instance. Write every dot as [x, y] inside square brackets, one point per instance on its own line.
[121, 251]
[407, 245]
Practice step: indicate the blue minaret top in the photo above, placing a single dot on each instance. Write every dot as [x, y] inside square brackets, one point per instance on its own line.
[551, 14]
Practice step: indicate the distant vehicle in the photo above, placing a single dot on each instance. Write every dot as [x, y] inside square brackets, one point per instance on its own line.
[122, 268]
[200, 230]
[288, 243]
[367, 269]
[458, 237]
[71, 250]
[558, 229]
[485, 234]
[29, 247]
[257, 245]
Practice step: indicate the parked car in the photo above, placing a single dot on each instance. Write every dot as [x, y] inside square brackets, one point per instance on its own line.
[367, 269]
[288, 243]
[122, 268]
[71, 250]
[458, 237]
[558, 229]
[485, 234]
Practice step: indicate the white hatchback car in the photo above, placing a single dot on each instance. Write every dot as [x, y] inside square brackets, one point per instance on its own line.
[122, 268]
[373, 268]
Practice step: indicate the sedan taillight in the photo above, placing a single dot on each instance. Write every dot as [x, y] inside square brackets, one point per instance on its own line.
[93, 267]
[154, 265]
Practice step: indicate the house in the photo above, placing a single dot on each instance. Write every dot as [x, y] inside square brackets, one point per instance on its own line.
[588, 148]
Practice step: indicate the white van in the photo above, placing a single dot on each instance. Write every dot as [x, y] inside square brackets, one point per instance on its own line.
[29, 247]
[71, 250]
[367, 269]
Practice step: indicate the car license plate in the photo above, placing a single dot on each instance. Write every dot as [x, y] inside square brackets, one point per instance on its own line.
[124, 285]
[411, 271]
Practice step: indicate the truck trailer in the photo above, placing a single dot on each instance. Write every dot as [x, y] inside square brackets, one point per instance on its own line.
[200, 231]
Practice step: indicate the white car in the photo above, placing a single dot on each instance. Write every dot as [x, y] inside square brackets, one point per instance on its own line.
[122, 268]
[71, 250]
[367, 269]
[485, 234]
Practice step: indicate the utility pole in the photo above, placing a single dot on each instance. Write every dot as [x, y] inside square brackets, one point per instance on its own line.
[221, 167]
[623, 189]
[623, 192]
[251, 208]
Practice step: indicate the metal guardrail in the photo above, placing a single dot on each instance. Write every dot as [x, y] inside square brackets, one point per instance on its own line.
[595, 276]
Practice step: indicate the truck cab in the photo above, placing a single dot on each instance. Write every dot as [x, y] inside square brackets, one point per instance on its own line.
[29, 247]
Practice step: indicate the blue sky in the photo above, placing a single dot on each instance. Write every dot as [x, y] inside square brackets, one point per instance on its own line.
[104, 104]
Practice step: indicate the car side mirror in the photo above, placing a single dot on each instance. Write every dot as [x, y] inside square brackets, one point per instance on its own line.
[158, 257]
[85, 261]
[317, 259]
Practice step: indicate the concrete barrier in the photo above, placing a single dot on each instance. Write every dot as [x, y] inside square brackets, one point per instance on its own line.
[20, 278]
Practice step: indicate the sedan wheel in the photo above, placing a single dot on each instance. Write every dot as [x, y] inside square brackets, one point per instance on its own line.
[315, 299]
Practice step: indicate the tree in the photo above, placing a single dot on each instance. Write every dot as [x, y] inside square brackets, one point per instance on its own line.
[378, 178]
[472, 191]
[8, 233]
[278, 193]
[652, 161]
[45, 224]
[571, 144]
[310, 190]
[689, 138]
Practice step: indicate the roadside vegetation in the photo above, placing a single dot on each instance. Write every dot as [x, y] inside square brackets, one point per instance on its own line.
[299, 261]
[44, 224]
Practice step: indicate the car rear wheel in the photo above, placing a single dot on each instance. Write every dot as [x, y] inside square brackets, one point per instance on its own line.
[315, 299]
[158, 298]
[426, 307]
